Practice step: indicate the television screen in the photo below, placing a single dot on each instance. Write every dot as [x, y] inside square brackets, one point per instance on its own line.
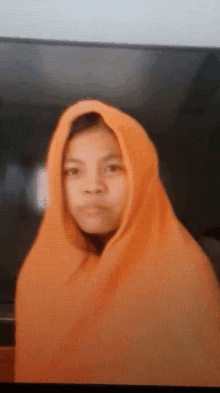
[173, 92]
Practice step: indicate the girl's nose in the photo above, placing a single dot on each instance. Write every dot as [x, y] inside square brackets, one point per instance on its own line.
[94, 185]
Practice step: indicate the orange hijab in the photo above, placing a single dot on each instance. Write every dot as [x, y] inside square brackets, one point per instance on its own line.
[147, 311]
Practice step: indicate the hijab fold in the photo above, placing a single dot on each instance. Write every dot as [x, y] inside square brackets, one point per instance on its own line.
[145, 311]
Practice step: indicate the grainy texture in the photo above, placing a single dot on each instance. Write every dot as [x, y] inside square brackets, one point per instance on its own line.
[147, 311]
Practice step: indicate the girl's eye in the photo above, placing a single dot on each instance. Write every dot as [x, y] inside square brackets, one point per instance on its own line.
[75, 171]
[71, 171]
[114, 166]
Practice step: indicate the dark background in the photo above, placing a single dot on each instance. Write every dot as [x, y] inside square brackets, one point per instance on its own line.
[173, 92]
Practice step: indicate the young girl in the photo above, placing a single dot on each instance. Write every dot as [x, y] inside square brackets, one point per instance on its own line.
[114, 290]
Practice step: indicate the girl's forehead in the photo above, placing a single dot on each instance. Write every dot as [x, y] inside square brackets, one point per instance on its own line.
[98, 130]
[92, 140]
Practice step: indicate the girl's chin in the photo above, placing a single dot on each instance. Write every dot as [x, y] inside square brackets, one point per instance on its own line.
[96, 226]
[97, 229]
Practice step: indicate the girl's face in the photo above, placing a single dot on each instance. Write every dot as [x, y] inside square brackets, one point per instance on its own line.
[95, 180]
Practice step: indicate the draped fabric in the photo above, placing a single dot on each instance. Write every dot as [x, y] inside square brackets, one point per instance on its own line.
[146, 311]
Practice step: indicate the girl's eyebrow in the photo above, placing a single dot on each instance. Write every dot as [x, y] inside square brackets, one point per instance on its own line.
[106, 158]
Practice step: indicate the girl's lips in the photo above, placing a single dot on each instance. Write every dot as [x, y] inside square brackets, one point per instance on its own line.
[93, 210]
